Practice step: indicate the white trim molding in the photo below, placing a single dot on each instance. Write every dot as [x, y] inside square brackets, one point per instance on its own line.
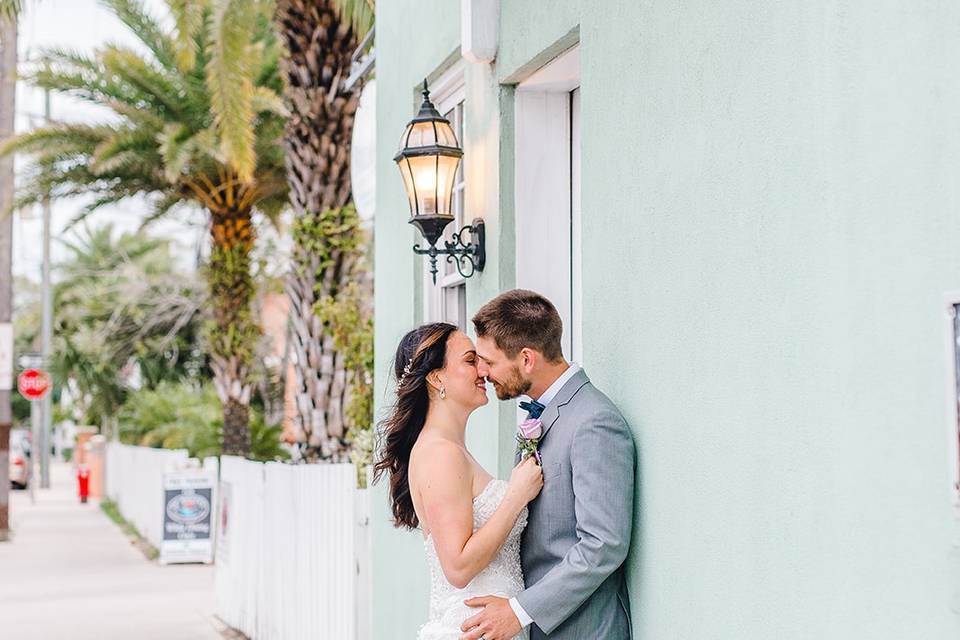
[479, 29]
[559, 75]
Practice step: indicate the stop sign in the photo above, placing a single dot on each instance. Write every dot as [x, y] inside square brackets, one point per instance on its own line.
[33, 384]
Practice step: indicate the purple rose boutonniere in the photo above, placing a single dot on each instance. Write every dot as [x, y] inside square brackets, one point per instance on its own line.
[528, 438]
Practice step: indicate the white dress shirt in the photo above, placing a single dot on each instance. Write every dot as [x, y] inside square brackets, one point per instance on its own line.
[544, 399]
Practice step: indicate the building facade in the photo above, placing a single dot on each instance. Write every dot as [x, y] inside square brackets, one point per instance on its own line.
[748, 214]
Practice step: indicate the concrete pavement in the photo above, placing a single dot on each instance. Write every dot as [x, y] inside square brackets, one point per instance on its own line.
[69, 572]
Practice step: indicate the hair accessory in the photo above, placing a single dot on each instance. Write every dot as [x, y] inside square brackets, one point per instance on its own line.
[406, 371]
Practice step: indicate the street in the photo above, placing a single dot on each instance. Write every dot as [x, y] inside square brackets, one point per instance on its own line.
[69, 572]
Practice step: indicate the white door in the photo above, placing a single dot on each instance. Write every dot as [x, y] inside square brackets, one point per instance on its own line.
[548, 191]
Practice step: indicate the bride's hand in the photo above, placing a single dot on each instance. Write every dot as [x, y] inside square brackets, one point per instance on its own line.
[526, 480]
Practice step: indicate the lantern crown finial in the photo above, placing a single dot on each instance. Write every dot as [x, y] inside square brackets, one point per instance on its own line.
[427, 110]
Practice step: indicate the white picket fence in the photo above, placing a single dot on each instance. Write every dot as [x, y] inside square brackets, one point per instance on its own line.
[134, 480]
[292, 553]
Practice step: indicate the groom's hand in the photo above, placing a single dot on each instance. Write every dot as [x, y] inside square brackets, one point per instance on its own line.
[497, 621]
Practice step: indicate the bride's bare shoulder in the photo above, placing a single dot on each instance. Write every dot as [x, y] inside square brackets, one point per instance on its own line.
[435, 457]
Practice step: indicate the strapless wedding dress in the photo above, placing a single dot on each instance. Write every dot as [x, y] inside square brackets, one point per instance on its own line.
[502, 577]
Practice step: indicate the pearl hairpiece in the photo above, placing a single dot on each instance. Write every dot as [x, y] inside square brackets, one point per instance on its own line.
[406, 371]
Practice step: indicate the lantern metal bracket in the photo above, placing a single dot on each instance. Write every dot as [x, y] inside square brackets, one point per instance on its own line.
[468, 256]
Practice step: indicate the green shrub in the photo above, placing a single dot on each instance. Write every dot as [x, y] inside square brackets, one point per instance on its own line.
[182, 416]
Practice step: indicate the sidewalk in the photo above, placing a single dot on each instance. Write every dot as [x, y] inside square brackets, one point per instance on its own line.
[70, 573]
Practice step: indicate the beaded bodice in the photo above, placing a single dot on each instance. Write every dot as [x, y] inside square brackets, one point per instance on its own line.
[502, 577]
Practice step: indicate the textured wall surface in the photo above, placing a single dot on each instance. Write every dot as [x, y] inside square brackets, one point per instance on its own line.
[770, 218]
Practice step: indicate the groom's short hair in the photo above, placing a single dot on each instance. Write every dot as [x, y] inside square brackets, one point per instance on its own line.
[521, 318]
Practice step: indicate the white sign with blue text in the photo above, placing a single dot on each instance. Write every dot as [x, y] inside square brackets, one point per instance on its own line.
[188, 520]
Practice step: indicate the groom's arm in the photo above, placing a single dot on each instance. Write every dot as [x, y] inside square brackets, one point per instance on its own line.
[603, 463]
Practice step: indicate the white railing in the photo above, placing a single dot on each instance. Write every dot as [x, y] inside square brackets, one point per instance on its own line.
[135, 482]
[292, 552]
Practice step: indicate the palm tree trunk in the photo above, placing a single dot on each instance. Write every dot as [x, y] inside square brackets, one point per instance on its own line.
[232, 332]
[317, 61]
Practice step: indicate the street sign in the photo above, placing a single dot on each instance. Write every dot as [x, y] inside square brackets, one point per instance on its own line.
[33, 384]
[6, 356]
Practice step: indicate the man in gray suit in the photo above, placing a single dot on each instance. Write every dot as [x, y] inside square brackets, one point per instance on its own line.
[578, 532]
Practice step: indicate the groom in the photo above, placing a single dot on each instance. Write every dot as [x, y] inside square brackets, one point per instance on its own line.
[578, 532]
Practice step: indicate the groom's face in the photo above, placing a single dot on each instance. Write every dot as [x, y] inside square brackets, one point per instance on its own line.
[505, 374]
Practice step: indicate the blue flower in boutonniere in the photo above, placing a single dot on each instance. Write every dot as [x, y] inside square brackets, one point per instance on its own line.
[528, 438]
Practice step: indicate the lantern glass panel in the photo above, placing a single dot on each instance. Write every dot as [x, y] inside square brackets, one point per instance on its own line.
[423, 134]
[446, 177]
[418, 134]
[433, 177]
[407, 173]
[445, 135]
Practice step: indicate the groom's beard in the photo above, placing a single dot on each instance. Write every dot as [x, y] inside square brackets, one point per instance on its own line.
[513, 387]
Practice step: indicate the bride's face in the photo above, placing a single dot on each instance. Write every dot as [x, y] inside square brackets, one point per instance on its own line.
[459, 376]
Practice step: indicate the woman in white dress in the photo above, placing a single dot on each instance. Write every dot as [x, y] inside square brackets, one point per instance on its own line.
[471, 522]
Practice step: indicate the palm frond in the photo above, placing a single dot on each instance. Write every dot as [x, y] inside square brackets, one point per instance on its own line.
[162, 90]
[89, 80]
[57, 139]
[126, 148]
[180, 147]
[359, 13]
[188, 16]
[148, 30]
[231, 86]
[267, 101]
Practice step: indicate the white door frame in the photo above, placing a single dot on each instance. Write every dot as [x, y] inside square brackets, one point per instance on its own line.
[547, 194]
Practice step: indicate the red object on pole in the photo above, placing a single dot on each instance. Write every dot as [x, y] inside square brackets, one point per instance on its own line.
[33, 384]
[83, 482]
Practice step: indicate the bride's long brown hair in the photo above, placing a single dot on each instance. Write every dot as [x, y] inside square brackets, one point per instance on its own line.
[421, 351]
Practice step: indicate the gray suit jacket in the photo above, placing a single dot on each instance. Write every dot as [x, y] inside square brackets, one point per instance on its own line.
[578, 532]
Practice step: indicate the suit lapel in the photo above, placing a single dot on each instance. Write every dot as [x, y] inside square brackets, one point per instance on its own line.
[551, 413]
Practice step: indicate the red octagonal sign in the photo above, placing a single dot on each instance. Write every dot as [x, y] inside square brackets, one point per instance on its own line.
[33, 384]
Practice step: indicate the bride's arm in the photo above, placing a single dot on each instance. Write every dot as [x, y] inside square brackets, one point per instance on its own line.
[447, 498]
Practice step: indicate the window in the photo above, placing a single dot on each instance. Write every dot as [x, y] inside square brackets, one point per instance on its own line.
[446, 301]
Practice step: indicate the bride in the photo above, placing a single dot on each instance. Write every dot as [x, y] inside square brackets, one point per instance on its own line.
[471, 522]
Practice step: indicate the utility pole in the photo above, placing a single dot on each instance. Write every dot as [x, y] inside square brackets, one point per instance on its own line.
[46, 329]
[8, 86]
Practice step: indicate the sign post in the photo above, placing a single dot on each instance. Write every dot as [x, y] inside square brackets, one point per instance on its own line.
[188, 516]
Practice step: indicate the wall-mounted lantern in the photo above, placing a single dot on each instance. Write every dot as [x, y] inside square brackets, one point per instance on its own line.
[428, 160]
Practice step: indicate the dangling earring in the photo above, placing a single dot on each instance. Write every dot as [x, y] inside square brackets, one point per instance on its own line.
[443, 392]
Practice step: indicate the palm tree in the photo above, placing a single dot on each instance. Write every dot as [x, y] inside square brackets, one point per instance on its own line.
[198, 122]
[320, 38]
[122, 307]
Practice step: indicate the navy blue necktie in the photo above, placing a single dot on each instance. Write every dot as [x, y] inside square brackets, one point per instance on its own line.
[534, 408]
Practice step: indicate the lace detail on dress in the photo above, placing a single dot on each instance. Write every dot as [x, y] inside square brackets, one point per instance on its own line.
[503, 577]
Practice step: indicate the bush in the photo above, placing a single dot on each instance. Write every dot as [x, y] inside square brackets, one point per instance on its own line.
[183, 416]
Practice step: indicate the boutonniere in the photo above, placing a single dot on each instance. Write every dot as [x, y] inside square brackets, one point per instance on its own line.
[528, 438]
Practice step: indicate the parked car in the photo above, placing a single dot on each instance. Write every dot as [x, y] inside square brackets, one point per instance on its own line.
[19, 458]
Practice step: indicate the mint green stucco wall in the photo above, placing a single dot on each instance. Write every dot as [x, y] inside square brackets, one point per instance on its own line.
[771, 213]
